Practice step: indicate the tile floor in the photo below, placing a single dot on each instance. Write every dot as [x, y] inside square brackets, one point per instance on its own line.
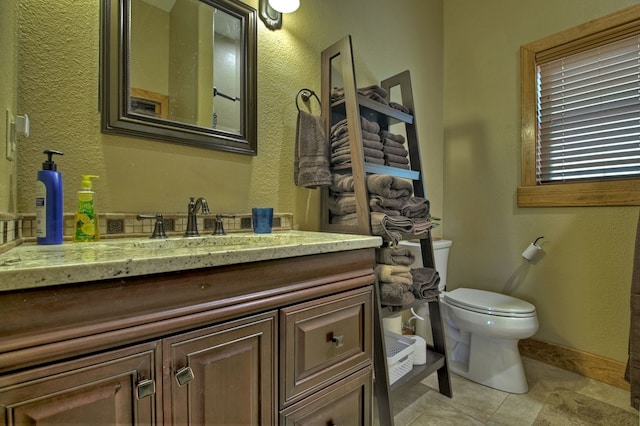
[555, 397]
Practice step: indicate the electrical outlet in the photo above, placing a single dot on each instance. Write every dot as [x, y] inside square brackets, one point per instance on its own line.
[10, 136]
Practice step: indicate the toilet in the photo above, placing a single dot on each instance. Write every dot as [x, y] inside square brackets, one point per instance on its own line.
[482, 329]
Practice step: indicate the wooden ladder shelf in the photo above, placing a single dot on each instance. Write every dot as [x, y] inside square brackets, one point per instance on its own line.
[338, 70]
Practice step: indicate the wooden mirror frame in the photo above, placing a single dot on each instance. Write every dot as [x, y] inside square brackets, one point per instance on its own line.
[116, 117]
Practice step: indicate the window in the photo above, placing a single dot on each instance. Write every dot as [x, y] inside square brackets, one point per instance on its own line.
[581, 115]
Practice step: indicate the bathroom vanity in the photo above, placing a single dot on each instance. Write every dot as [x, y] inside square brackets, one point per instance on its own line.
[244, 329]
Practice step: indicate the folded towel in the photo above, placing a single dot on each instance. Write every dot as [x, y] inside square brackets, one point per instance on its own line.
[395, 295]
[395, 255]
[376, 204]
[311, 164]
[386, 135]
[376, 93]
[391, 158]
[421, 225]
[389, 186]
[345, 160]
[342, 203]
[401, 152]
[388, 143]
[425, 283]
[400, 274]
[400, 107]
[341, 128]
[415, 207]
[384, 185]
[388, 203]
[344, 143]
[398, 165]
[390, 228]
[368, 152]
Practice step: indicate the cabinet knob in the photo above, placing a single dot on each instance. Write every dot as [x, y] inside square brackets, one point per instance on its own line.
[337, 340]
[145, 388]
[184, 376]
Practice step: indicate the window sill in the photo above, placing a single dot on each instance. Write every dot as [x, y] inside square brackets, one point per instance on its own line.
[609, 193]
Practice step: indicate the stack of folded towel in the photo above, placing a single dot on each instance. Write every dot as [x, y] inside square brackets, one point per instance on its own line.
[371, 143]
[394, 211]
[394, 275]
[395, 154]
[375, 93]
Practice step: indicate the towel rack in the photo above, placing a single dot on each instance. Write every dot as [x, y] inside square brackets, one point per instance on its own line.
[352, 107]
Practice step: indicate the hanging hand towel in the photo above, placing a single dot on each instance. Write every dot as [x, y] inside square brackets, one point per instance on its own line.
[311, 167]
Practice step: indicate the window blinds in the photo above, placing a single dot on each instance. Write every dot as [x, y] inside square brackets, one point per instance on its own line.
[589, 114]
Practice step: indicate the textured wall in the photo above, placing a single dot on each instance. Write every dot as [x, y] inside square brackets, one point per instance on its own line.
[581, 286]
[59, 51]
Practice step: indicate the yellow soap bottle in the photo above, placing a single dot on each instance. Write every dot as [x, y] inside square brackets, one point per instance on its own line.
[86, 219]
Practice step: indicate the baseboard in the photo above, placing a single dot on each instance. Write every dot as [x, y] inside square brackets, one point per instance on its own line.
[589, 365]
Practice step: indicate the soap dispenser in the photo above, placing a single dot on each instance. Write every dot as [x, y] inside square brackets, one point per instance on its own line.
[86, 219]
[49, 202]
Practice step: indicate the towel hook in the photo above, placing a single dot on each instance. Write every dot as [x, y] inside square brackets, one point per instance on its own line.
[306, 94]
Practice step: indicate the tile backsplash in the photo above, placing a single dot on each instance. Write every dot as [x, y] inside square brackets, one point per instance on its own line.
[17, 227]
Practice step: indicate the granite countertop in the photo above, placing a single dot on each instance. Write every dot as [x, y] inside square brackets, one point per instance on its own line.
[31, 265]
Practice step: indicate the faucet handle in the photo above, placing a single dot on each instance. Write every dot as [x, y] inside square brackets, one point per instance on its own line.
[158, 229]
[219, 229]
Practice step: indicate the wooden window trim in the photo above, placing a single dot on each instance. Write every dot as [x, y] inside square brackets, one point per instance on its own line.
[623, 192]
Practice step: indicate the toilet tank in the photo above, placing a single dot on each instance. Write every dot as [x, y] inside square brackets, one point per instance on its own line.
[440, 253]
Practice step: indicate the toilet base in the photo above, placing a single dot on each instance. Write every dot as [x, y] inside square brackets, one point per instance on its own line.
[495, 363]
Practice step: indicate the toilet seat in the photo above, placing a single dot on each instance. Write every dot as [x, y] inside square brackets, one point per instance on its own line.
[489, 303]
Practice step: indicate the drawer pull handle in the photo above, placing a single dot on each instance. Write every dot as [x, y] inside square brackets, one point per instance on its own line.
[184, 376]
[338, 340]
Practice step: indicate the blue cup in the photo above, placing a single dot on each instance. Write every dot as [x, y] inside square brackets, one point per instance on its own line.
[262, 220]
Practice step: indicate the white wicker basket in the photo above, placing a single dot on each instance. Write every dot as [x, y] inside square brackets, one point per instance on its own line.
[399, 355]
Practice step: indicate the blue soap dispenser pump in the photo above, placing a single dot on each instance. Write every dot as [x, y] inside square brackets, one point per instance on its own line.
[49, 202]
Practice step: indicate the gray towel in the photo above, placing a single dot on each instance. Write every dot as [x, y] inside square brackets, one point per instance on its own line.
[395, 295]
[388, 149]
[416, 207]
[311, 164]
[384, 185]
[386, 135]
[425, 283]
[391, 158]
[391, 228]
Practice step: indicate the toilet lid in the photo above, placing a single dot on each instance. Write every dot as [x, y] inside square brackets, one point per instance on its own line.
[489, 303]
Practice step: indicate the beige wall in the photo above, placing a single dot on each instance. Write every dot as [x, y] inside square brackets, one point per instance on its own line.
[59, 48]
[581, 286]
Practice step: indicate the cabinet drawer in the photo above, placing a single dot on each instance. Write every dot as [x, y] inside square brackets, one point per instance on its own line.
[347, 402]
[323, 341]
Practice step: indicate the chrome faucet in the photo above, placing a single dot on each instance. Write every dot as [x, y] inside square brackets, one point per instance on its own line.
[192, 219]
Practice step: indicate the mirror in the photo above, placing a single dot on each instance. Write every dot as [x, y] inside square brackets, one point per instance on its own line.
[181, 71]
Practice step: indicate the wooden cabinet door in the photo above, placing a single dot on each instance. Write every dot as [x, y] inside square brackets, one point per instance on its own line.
[114, 388]
[347, 402]
[222, 375]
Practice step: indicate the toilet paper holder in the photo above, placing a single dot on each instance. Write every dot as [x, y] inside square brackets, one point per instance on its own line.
[532, 250]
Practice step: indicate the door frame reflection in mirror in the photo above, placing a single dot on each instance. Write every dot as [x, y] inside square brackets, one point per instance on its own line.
[119, 118]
